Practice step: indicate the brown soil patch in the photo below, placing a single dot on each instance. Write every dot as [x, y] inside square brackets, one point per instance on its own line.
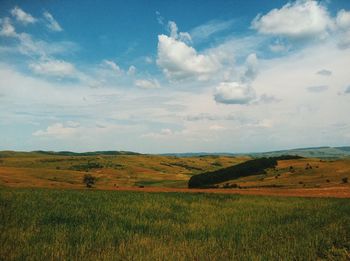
[334, 192]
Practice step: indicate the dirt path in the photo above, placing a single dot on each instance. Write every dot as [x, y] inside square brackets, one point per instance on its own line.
[334, 192]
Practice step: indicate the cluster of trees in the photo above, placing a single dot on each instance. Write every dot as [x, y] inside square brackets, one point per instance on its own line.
[248, 168]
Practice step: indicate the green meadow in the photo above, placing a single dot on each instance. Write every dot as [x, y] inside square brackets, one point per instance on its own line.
[43, 224]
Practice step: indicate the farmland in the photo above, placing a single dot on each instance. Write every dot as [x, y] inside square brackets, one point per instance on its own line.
[43, 224]
[47, 212]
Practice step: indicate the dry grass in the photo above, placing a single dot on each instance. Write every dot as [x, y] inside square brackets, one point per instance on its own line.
[322, 174]
[35, 170]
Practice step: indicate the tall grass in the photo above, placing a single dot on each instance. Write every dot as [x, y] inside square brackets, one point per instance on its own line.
[108, 225]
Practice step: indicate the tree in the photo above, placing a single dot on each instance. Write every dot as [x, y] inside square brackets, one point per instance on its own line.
[89, 180]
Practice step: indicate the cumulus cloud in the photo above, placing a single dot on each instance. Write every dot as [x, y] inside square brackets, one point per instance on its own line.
[233, 93]
[147, 84]
[180, 61]
[299, 19]
[55, 68]
[181, 36]
[324, 72]
[22, 16]
[343, 24]
[343, 19]
[7, 29]
[51, 23]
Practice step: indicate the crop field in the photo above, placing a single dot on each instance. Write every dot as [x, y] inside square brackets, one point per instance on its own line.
[44, 224]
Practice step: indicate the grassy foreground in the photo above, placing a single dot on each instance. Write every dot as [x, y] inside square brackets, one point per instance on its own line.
[41, 224]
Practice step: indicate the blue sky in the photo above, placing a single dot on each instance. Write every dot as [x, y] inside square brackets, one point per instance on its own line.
[174, 76]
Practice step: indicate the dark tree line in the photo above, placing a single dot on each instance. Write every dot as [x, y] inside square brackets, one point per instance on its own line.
[248, 168]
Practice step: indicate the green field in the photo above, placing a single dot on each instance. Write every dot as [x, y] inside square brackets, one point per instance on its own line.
[43, 224]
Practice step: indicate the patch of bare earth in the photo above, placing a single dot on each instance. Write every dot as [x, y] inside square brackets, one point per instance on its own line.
[334, 192]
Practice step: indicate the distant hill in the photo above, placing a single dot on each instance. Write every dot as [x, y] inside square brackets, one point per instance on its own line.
[93, 153]
[38, 153]
[324, 152]
[199, 154]
[316, 152]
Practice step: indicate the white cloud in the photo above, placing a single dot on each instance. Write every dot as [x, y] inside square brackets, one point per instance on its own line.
[51, 23]
[279, 46]
[148, 60]
[22, 16]
[343, 19]
[300, 19]
[147, 84]
[217, 127]
[233, 93]
[344, 41]
[7, 29]
[180, 61]
[160, 19]
[162, 133]
[56, 68]
[112, 65]
[131, 70]
[251, 70]
[205, 31]
[59, 130]
[181, 36]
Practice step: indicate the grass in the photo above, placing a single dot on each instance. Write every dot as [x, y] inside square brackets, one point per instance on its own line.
[43, 224]
[323, 174]
[21, 169]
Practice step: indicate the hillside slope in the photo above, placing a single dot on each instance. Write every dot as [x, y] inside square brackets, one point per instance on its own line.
[245, 169]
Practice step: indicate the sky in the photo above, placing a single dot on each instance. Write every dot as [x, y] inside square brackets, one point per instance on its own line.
[174, 76]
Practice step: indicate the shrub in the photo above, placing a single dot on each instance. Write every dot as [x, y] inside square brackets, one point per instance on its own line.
[89, 180]
[345, 180]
